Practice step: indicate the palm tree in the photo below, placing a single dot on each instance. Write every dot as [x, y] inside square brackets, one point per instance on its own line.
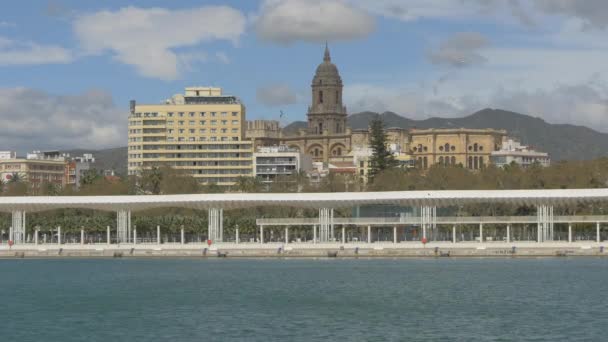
[16, 177]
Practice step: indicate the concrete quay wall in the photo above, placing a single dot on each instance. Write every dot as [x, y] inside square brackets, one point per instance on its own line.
[277, 250]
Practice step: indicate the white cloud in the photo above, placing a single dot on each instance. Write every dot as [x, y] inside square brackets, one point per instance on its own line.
[594, 13]
[6, 24]
[460, 50]
[14, 52]
[276, 95]
[222, 57]
[147, 38]
[417, 9]
[33, 119]
[316, 21]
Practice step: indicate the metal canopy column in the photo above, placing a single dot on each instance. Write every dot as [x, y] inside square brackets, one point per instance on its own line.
[18, 233]
[428, 220]
[123, 225]
[544, 223]
[326, 224]
[216, 225]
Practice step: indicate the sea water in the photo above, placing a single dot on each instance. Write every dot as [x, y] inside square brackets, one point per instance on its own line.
[545, 299]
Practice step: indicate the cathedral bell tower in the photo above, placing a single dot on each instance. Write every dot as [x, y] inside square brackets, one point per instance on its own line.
[326, 113]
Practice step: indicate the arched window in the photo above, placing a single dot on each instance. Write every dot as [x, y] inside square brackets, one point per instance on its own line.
[339, 151]
[440, 160]
[425, 162]
[320, 128]
[316, 152]
[453, 159]
[447, 147]
[470, 162]
[320, 96]
[481, 162]
[475, 147]
[475, 163]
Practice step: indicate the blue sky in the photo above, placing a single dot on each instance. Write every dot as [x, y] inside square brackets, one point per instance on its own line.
[69, 68]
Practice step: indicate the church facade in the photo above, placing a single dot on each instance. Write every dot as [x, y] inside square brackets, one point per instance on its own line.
[327, 137]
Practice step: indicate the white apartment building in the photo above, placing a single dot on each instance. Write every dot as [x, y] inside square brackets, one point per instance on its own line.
[512, 151]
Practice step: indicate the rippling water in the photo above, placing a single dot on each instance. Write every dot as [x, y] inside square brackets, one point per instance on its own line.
[549, 299]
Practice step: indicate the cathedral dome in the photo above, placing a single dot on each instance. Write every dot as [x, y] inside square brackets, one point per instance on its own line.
[327, 72]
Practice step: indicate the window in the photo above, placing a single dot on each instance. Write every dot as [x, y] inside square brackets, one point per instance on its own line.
[440, 160]
[170, 131]
[235, 122]
[181, 130]
[235, 130]
[361, 164]
[192, 131]
[447, 147]
[180, 114]
[440, 148]
[170, 122]
[235, 113]
[213, 122]
[191, 123]
[475, 147]
[320, 96]
[191, 114]
[470, 161]
[224, 122]
[170, 115]
[453, 159]
[214, 130]
[453, 148]
[202, 131]
[224, 130]
[202, 122]
[224, 113]
[181, 123]
[213, 114]
[202, 114]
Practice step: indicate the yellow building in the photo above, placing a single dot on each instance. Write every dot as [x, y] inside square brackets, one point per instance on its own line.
[470, 148]
[202, 132]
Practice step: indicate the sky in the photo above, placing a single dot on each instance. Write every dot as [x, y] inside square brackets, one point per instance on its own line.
[68, 68]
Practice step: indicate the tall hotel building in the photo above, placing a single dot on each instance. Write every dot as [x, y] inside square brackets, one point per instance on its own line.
[201, 132]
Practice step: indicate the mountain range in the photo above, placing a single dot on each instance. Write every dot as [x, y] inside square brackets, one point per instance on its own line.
[561, 141]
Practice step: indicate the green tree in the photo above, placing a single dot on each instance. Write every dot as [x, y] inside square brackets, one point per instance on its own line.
[248, 184]
[382, 158]
[89, 177]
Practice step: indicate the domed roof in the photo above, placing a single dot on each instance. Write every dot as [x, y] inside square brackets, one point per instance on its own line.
[327, 69]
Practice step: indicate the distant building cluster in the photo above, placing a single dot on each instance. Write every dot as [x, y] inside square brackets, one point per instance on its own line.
[45, 167]
[205, 133]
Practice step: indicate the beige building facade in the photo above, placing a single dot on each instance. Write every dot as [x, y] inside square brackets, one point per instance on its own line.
[470, 148]
[37, 169]
[201, 132]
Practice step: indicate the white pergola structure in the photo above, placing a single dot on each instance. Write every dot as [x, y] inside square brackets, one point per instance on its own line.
[428, 201]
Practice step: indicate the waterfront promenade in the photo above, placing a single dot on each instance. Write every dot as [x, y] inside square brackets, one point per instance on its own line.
[307, 250]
